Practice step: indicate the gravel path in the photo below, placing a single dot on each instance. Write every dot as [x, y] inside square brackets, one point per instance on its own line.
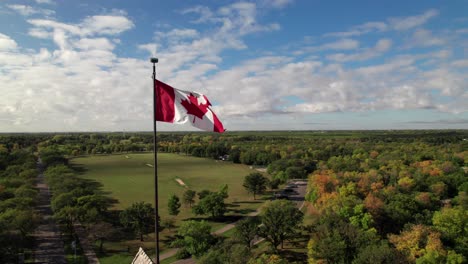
[85, 244]
[48, 247]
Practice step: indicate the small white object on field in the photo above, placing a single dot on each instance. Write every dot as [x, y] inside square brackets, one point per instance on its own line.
[182, 183]
[149, 165]
[127, 157]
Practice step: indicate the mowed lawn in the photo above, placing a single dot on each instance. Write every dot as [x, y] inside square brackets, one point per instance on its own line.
[129, 179]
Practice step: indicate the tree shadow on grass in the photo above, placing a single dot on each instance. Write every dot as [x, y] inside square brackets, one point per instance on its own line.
[232, 205]
[78, 168]
[297, 243]
[249, 202]
[227, 219]
[168, 239]
[242, 211]
[292, 256]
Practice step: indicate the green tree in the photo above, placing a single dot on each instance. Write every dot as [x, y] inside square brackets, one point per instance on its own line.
[101, 231]
[189, 197]
[139, 217]
[224, 191]
[212, 204]
[255, 183]
[274, 184]
[453, 225]
[68, 216]
[194, 237]
[173, 205]
[247, 230]
[280, 220]
[203, 193]
[267, 259]
[378, 253]
[227, 252]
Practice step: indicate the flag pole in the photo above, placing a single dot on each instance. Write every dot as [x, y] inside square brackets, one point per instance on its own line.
[155, 166]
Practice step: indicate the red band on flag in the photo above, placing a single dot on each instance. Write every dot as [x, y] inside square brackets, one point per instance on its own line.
[164, 102]
[218, 126]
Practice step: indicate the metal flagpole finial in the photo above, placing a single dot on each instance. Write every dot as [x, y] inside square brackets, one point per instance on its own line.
[154, 61]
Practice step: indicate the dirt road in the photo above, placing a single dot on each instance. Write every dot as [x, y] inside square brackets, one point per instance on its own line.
[48, 247]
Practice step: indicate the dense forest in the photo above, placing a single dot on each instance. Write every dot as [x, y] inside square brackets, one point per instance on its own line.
[373, 196]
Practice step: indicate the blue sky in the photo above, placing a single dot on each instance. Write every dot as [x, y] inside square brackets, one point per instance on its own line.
[265, 65]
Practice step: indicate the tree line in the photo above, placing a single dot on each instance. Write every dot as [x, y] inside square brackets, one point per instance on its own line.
[18, 171]
[375, 196]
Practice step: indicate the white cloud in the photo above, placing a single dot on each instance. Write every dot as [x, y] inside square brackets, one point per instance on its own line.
[184, 46]
[360, 30]
[39, 33]
[96, 43]
[205, 13]
[43, 24]
[106, 25]
[6, 43]
[90, 26]
[150, 47]
[424, 38]
[74, 79]
[342, 44]
[448, 82]
[276, 3]
[242, 17]
[382, 46]
[405, 23]
[460, 63]
[44, 2]
[26, 10]
[395, 23]
[83, 84]
[404, 97]
[176, 35]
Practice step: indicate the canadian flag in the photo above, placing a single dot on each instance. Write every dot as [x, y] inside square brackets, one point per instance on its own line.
[177, 106]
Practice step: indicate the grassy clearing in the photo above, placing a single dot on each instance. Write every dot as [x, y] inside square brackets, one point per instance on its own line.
[128, 179]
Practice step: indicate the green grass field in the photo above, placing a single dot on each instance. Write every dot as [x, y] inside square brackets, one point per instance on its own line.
[131, 180]
[128, 179]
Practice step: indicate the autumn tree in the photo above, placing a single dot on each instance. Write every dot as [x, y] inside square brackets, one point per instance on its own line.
[418, 242]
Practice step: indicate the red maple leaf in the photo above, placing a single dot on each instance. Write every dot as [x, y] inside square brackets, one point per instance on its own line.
[194, 108]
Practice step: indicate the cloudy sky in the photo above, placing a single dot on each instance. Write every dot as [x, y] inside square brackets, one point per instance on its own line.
[265, 65]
